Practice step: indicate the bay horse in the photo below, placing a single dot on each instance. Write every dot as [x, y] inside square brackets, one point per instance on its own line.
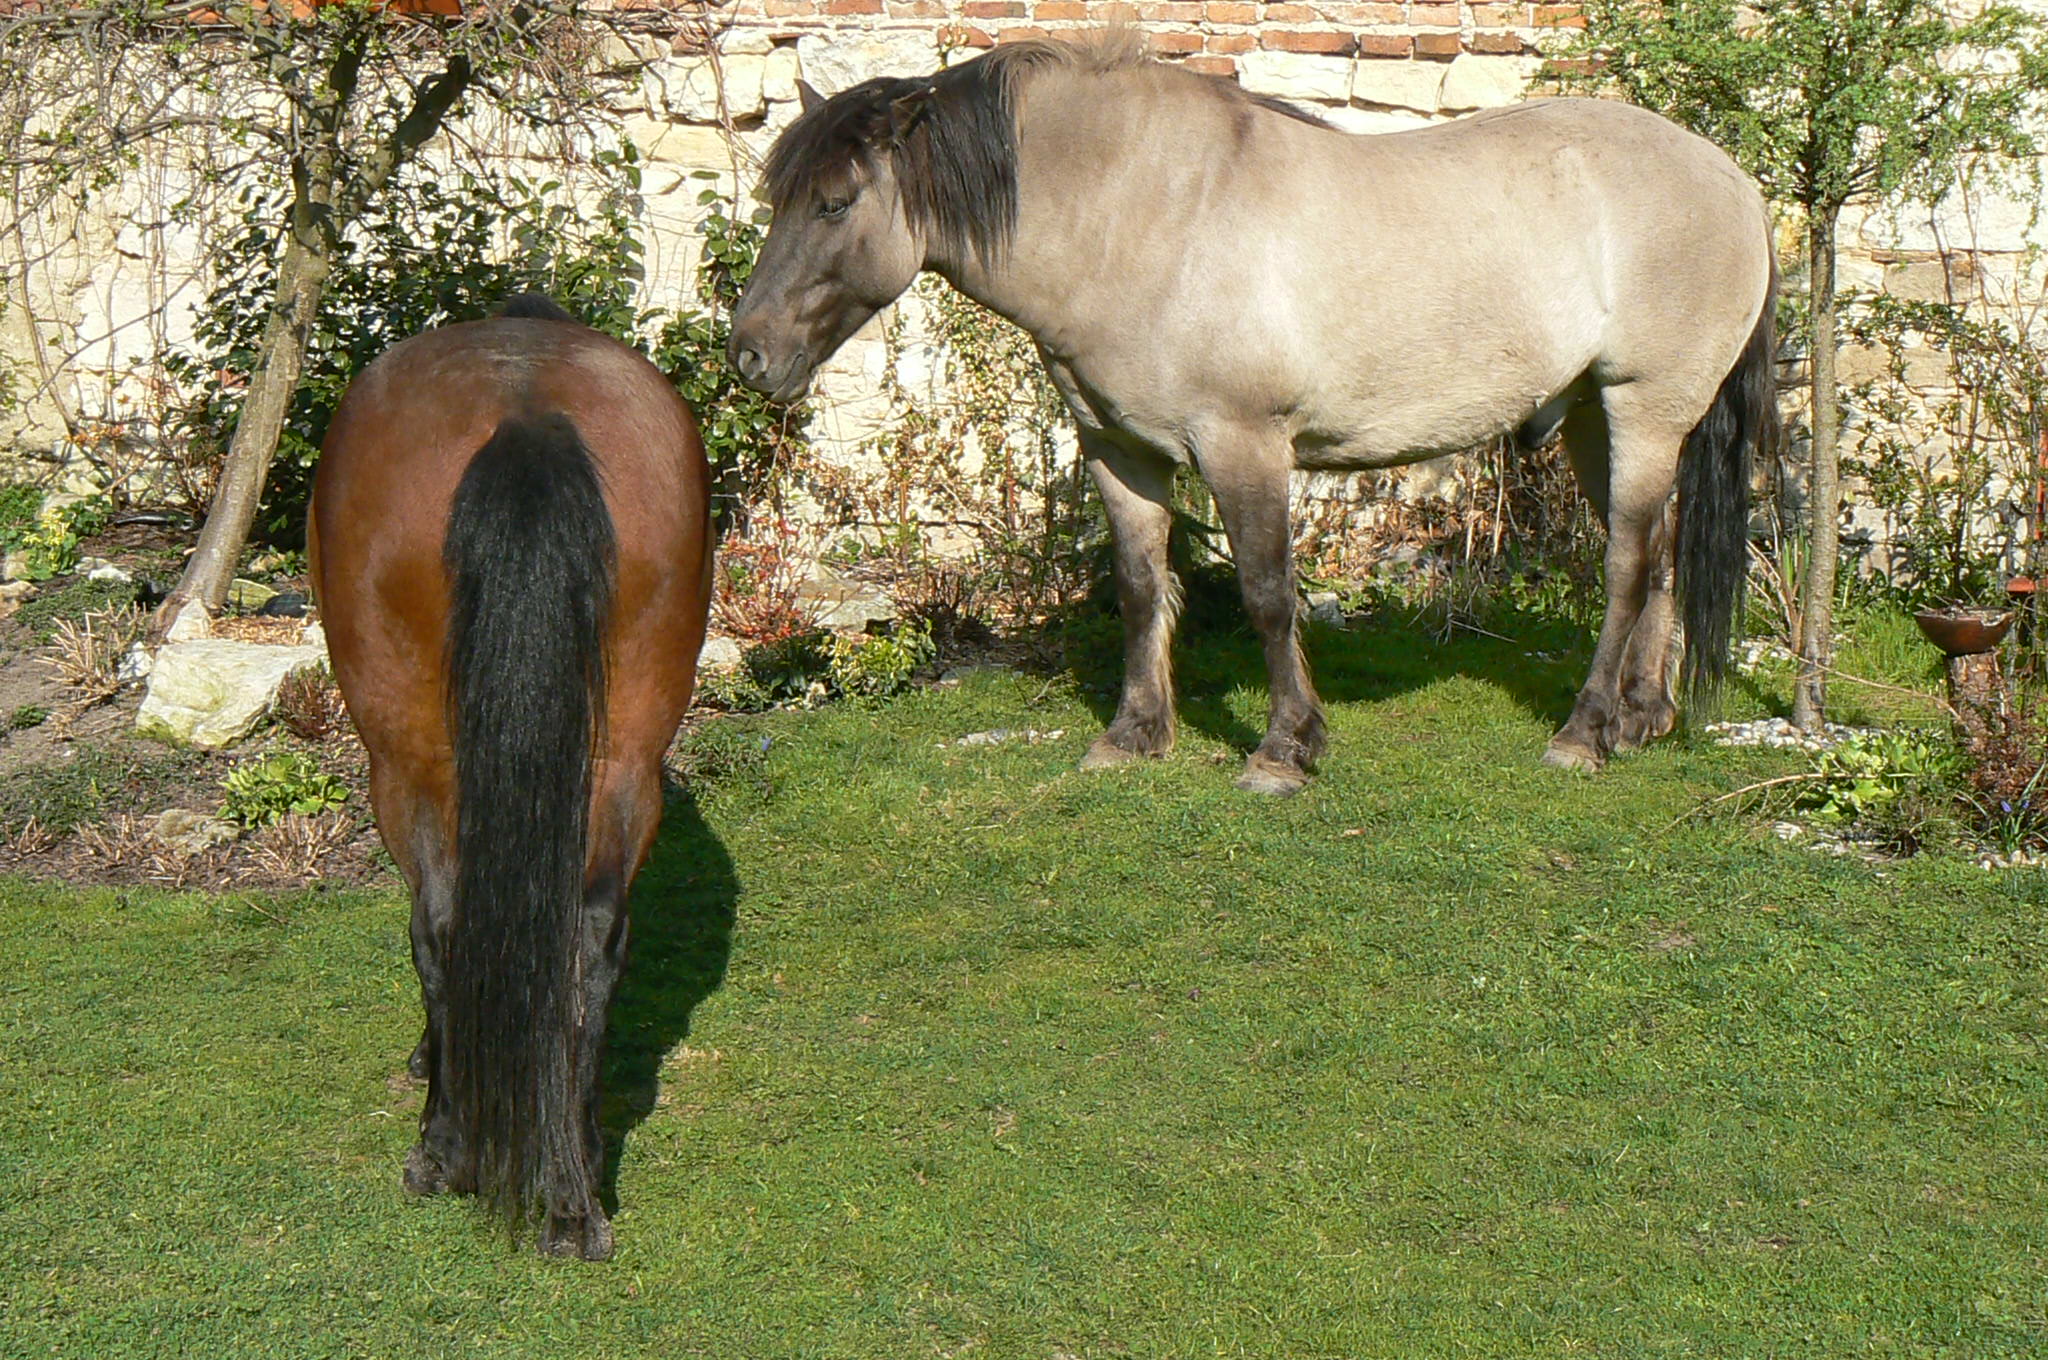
[1218, 279]
[510, 544]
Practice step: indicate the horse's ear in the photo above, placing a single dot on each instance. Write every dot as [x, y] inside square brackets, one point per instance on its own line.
[811, 100]
[907, 111]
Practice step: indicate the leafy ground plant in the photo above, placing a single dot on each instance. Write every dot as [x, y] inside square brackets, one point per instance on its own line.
[262, 792]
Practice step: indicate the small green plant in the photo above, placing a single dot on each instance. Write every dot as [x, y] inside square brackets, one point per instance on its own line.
[1866, 774]
[876, 667]
[19, 503]
[27, 716]
[261, 792]
[48, 545]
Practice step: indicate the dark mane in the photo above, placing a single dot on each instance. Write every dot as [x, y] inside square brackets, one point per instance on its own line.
[955, 158]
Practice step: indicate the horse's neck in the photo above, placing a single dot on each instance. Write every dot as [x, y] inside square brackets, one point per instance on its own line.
[1076, 163]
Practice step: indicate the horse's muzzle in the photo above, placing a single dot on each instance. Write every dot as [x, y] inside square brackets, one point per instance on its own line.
[785, 381]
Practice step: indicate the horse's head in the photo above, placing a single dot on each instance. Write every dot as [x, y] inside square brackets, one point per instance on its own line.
[842, 245]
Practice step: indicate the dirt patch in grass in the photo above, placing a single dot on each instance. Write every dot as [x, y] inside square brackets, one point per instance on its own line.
[80, 793]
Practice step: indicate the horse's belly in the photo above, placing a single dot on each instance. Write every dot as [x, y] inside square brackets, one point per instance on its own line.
[1392, 433]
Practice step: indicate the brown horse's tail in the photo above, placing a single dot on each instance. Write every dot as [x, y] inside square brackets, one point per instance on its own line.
[530, 557]
[1713, 501]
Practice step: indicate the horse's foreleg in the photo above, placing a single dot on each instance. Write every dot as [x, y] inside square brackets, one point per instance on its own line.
[1137, 491]
[1640, 470]
[1250, 484]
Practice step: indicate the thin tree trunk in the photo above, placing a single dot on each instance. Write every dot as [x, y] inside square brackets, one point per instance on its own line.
[322, 208]
[1824, 496]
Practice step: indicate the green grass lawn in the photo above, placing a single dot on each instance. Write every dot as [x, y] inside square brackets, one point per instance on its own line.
[931, 1052]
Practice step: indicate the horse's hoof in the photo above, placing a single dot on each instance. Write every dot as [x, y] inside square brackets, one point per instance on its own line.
[1105, 754]
[1272, 778]
[1571, 755]
[589, 1238]
[423, 1172]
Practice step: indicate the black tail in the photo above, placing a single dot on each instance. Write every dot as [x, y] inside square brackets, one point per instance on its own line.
[1713, 501]
[530, 558]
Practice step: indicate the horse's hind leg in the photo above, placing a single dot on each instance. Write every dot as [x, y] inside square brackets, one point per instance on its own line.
[1648, 708]
[1249, 479]
[1137, 491]
[411, 827]
[624, 818]
[1630, 486]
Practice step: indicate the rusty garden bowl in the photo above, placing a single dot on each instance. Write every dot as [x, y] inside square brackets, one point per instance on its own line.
[1964, 632]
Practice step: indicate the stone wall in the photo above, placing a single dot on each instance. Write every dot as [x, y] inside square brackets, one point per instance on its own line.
[704, 89]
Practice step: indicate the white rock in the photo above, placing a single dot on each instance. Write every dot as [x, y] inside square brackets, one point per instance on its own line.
[719, 654]
[778, 76]
[314, 636]
[191, 832]
[693, 146]
[1476, 82]
[632, 49]
[689, 87]
[136, 664]
[1303, 75]
[211, 693]
[841, 61]
[191, 624]
[1400, 84]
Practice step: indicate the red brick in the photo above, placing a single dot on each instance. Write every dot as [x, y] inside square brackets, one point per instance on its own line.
[1175, 11]
[993, 9]
[1176, 44]
[1558, 16]
[1500, 16]
[782, 9]
[962, 35]
[1231, 14]
[1023, 33]
[1230, 44]
[1289, 14]
[1289, 40]
[1437, 46]
[1385, 45]
[1051, 10]
[1213, 66]
[1512, 44]
[1433, 15]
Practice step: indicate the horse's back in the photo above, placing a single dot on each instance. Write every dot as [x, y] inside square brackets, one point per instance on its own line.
[396, 451]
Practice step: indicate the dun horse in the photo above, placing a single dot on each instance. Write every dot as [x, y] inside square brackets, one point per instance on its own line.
[510, 544]
[1218, 279]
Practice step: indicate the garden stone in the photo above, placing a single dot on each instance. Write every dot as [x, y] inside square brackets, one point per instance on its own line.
[191, 624]
[12, 594]
[287, 604]
[314, 636]
[100, 569]
[1324, 607]
[136, 664]
[719, 654]
[244, 594]
[212, 693]
[190, 832]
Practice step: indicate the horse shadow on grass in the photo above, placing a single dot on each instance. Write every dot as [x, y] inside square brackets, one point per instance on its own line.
[684, 905]
[1539, 660]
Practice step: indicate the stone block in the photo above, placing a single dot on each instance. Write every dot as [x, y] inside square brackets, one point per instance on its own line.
[212, 693]
[1400, 84]
[1298, 75]
[1474, 82]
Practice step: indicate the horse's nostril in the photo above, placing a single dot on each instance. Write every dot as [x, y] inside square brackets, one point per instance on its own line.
[750, 364]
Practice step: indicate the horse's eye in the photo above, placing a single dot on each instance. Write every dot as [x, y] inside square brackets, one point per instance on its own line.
[834, 207]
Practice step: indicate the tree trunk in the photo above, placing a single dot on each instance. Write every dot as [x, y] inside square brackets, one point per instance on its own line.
[1824, 494]
[211, 569]
[322, 207]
